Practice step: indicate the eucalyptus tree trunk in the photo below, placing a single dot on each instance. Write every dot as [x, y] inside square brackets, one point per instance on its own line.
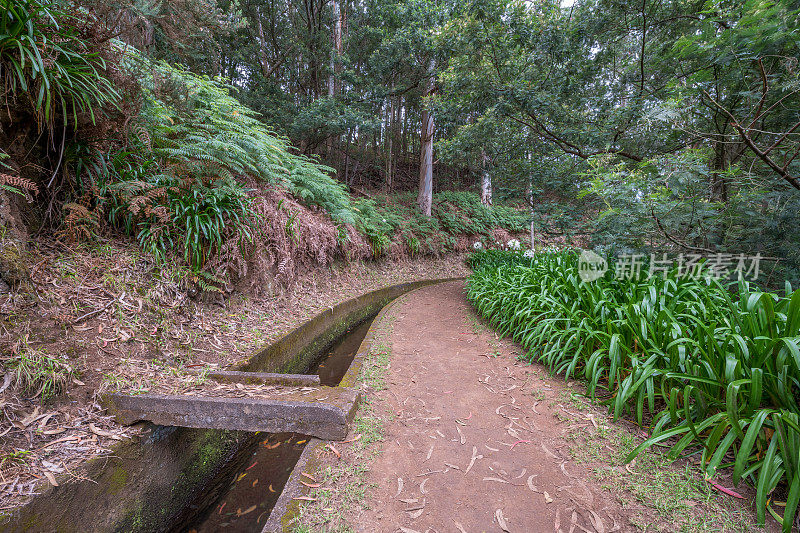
[425, 197]
[530, 204]
[337, 47]
[333, 82]
[486, 181]
[390, 144]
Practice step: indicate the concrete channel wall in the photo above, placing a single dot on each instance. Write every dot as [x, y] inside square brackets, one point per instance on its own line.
[287, 507]
[162, 479]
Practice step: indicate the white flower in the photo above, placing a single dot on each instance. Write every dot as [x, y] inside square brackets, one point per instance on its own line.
[513, 244]
[478, 245]
[530, 254]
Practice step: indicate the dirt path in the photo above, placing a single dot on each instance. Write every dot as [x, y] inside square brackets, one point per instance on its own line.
[474, 448]
[461, 436]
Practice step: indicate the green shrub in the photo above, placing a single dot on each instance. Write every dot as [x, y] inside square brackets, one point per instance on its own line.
[39, 373]
[717, 367]
[43, 57]
[195, 128]
[179, 185]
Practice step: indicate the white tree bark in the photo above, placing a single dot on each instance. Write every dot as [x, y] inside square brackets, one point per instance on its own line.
[486, 181]
[530, 203]
[425, 197]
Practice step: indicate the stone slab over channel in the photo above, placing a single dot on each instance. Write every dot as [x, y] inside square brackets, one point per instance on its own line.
[267, 378]
[324, 413]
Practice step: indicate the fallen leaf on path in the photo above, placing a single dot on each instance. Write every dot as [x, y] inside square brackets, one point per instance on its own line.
[530, 483]
[729, 492]
[399, 487]
[416, 511]
[496, 479]
[454, 467]
[547, 497]
[334, 450]
[459, 526]
[548, 452]
[422, 486]
[408, 501]
[463, 439]
[475, 456]
[430, 452]
[311, 485]
[50, 477]
[491, 449]
[305, 498]
[429, 472]
[357, 437]
[309, 476]
[520, 442]
[501, 520]
[597, 522]
[250, 509]
[97, 431]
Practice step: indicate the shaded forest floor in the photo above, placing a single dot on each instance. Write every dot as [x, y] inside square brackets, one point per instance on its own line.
[105, 317]
[457, 434]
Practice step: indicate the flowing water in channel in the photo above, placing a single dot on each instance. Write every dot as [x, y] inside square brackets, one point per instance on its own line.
[259, 480]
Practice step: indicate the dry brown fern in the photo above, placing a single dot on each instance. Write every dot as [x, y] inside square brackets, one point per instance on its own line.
[24, 186]
[80, 223]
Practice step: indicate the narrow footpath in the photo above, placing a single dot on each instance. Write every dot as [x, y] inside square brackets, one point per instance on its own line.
[474, 440]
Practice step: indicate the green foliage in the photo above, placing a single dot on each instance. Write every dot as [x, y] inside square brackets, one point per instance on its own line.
[385, 220]
[43, 57]
[196, 129]
[180, 183]
[461, 212]
[493, 259]
[717, 370]
[198, 219]
[39, 373]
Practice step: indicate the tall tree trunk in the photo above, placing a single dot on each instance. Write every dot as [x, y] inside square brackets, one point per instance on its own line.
[719, 184]
[404, 133]
[338, 45]
[333, 82]
[530, 205]
[390, 143]
[486, 181]
[425, 197]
